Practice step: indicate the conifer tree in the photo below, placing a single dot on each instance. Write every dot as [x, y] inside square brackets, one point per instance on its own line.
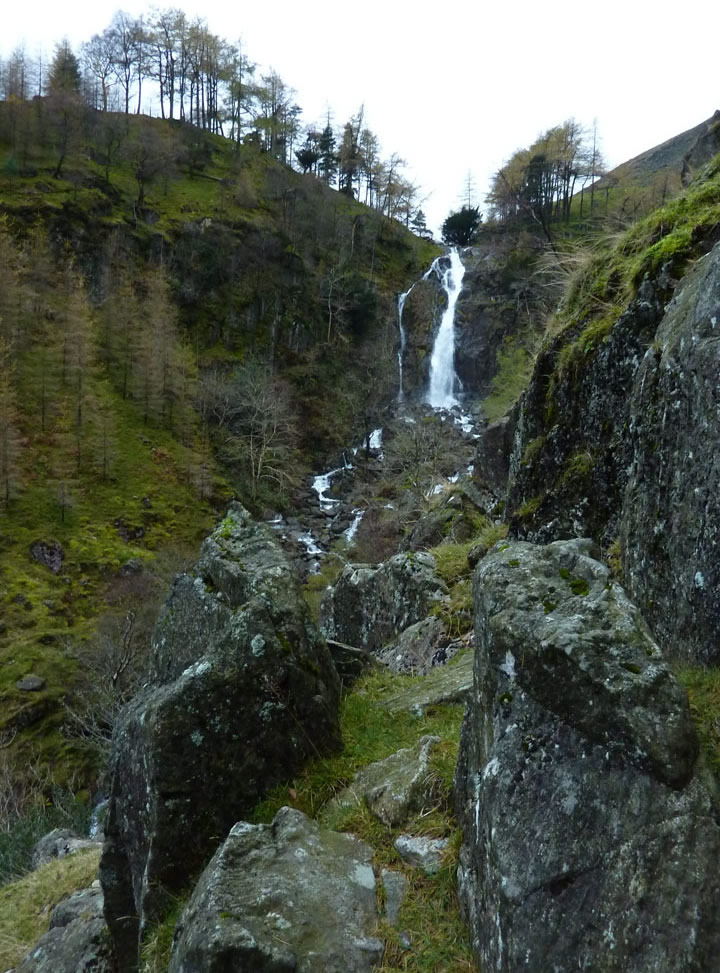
[328, 164]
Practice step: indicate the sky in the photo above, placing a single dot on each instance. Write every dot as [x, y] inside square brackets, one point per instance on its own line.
[454, 87]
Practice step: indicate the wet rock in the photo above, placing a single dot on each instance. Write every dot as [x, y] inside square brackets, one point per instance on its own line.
[48, 553]
[421, 852]
[392, 789]
[570, 457]
[288, 896]
[492, 460]
[30, 684]
[589, 831]
[245, 691]
[372, 603]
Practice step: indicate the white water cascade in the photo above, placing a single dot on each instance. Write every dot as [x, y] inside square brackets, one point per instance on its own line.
[401, 350]
[443, 379]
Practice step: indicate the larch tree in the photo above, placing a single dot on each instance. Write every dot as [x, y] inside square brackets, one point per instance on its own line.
[10, 437]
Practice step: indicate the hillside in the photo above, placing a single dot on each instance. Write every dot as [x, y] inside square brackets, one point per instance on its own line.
[179, 316]
[650, 179]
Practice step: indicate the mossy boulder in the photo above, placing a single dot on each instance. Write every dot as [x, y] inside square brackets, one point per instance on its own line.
[288, 896]
[590, 828]
[235, 710]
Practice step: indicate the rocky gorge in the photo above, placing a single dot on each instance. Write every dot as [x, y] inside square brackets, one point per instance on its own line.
[544, 599]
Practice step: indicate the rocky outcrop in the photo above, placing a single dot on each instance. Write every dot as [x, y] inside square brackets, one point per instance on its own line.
[77, 941]
[372, 603]
[590, 834]
[568, 466]
[671, 515]
[246, 692]
[289, 896]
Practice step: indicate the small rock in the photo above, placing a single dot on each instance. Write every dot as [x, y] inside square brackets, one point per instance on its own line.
[395, 885]
[50, 554]
[391, 788]
[425, 853]
[30, 684]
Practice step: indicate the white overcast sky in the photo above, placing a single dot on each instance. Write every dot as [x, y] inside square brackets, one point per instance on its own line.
[455, 86]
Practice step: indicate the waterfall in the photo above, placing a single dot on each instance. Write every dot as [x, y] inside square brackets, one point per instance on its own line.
[443, 379]
[401, 350]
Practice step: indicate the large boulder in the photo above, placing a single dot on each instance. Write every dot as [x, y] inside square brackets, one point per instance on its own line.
[373, 603]
[289, 896]
[246, 693]
[671, 515]
[590, 835]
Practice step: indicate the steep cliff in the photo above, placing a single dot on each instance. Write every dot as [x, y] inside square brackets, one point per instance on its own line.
[615, 436]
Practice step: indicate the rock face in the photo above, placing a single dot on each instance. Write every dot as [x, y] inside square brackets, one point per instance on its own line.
[568, 466]
[590, 837]
[373, 603]
[284, 897]
[621, 443]
[247, 691]
[671, 518]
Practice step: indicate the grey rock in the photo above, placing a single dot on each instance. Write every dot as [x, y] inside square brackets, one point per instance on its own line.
[420, 647]
[671, 517]
[443, 684]
[372, 603]
[245, 692]
[83, 905]
[30, 684]
[48, 553]
[392, 788]
[77, 941]
[590, 834]
[395, 885]
[57, 844]
[288, 896]
[422, 852]
[570, 456]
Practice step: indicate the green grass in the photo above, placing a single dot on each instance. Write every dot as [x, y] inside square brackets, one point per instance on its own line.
[515, 365]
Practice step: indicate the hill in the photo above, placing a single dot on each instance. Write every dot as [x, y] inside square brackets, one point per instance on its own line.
[650, 179]
[182, 319]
